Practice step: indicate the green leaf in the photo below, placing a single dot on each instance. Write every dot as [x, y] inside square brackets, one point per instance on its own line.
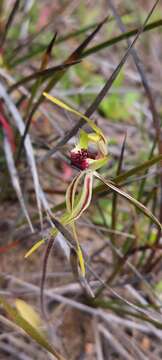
[119, 107]
[125, 35]
[153, 237]
[158, 287]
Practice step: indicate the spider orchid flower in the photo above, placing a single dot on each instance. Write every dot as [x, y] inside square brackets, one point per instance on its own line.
[87, 161]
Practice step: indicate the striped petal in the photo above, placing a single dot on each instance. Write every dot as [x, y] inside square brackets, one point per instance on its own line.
[71, 192]
[85, 197]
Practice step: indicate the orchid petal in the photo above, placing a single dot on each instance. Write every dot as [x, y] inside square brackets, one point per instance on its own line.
[85, 197]
[83, 139]
[97, 164]
[78, 113]
[133, 201]
[34, 248]
[71, 192]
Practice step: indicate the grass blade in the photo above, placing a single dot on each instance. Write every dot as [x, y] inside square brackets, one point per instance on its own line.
[118, 39]
[15, 179]
[156, 120]
[142, 185]
[75, 56]
[114, 200]
[40, 74]
[28, 147]
[9, 22]
[44, 271]
[92, 50]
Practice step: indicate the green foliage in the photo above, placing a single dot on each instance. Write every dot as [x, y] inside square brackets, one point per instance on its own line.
[158, 287]
[106, 207]
[119, 106]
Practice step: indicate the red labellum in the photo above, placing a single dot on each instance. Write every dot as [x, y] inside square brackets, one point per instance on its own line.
[80, 158]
